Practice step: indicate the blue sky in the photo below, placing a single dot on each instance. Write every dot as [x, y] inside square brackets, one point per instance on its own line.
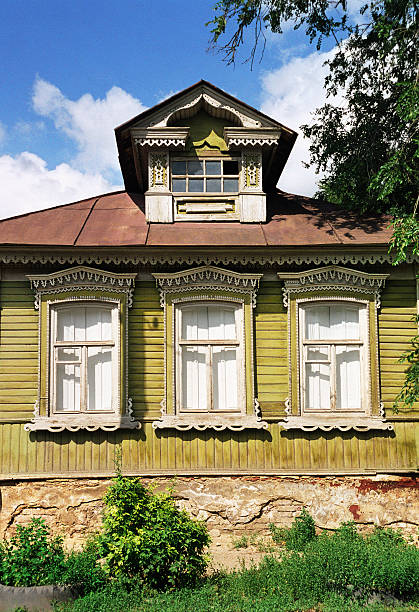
[73, 70]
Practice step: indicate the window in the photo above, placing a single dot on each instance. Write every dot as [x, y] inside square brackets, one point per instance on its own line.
[333, 349]
[83, 342]
[209, 344]
[211, 176]
[209, 377]
[84, 357]
[332, 345]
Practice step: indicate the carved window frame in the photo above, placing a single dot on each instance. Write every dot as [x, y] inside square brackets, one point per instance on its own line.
[81, 285]
[334, 284]
[215, 285]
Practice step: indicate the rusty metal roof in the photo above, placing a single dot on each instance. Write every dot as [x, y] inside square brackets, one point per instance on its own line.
[118, 220]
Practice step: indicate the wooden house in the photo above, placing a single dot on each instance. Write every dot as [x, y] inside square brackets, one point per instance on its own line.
[210, 326]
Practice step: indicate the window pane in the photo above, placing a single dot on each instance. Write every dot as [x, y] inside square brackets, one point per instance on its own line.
[213, 167]
[71, 324]
[214, 185]
[224, 378]
[179, 185]
[221, 322]
[179, 167]
[317, 353]
[231, 167]
[194, 377]
[68, 354]
[348, 378]
[337, 322]
[231, 184]
[67, 388]
[196, 185]
[98, 324]
[195, 167]
[317, 323]
[317, 386]
[99, 378]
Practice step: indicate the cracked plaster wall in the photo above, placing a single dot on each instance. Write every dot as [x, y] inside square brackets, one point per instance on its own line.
[229, 505]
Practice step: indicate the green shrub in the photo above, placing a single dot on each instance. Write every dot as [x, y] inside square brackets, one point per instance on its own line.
[83, 570]
[301, 532]
[146, 537]
[32, 556]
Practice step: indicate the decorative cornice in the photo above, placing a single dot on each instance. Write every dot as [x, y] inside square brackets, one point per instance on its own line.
[236, 136]
[280, 259]
[332, 278]
[160, 136]
[207, 278]
[82, 278]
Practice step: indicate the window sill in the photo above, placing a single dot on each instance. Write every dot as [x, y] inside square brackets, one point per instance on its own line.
[89, 422]
[218, 422]
[336, 422]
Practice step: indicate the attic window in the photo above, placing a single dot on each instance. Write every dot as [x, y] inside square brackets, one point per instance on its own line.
[205, 176]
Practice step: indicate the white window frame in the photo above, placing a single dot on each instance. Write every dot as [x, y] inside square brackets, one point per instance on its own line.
[238, 308]
[54, 308]
[362, 343]
[205, 176]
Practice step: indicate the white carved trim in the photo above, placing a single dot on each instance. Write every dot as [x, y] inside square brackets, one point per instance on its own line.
[210, 421]
[215, 103]
[81, 275]
[253, 137]
[279, 259]
[158, 171]
[332, 278]
[252, 171]
[341, 423]
[207, 278]
[160, 137]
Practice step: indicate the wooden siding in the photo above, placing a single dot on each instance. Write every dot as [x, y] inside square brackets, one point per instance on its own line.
[18, 351]
[148, 451]
[396, 327]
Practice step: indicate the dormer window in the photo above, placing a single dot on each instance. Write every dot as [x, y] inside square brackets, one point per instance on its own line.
[212, 176]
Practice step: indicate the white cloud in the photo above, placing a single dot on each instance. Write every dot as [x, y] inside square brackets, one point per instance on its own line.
[290, 94]
[26, 184]
[89, 122]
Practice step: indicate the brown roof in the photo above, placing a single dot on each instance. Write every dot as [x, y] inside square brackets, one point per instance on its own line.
[117, 219]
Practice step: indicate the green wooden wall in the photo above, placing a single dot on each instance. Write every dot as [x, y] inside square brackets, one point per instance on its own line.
[147, 451]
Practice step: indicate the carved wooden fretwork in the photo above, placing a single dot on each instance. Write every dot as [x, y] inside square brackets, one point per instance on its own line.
[252, 170]
[168, 137]
[190, 259]
[200, 422]
[72, 281]
[206, 278]
[216, 104]
[332, 278]
[82, 278]
[248, 137]
[158, 171]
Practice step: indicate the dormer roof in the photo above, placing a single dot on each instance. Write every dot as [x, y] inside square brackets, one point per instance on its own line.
[161, 126]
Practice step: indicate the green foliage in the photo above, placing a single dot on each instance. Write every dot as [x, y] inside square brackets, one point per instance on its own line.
[343, 571]
[147, 537]
[32, 556]
[242, 542]
[409, 392]
[365, 138]
[301, 532]
[82, 569]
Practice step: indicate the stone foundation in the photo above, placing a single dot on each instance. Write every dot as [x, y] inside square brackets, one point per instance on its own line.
[230, 506]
